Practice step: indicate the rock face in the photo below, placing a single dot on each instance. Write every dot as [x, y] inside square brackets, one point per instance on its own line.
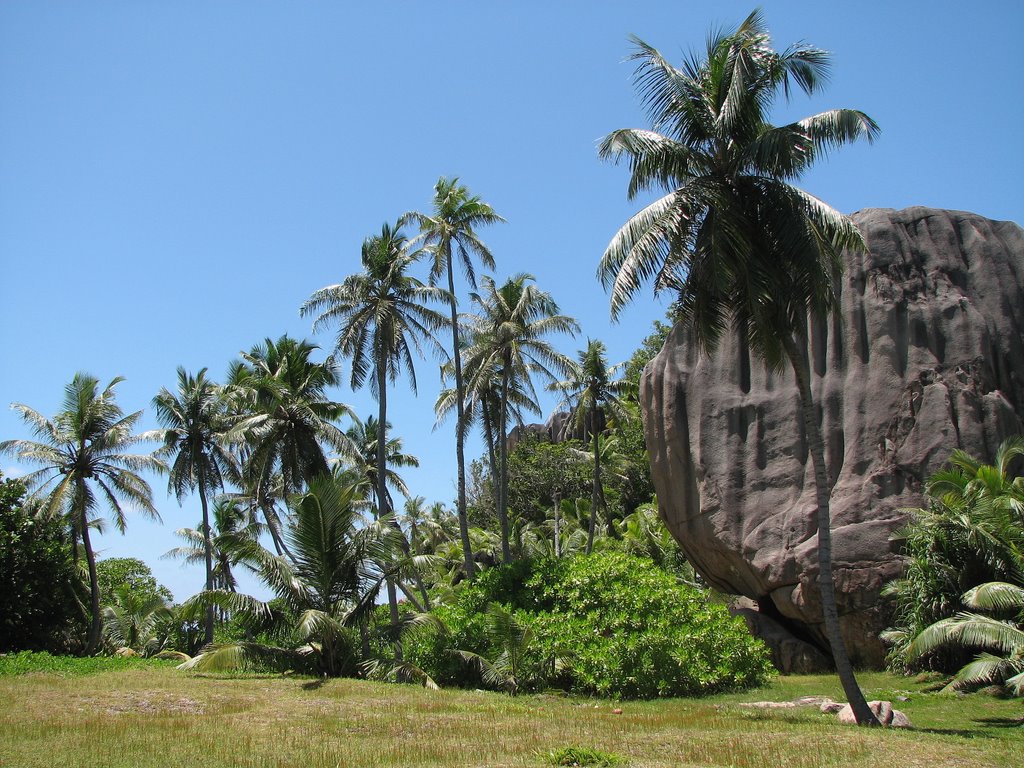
[926, 355]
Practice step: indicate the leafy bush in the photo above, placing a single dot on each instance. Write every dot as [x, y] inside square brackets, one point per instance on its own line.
[607, 624]
[22, 663]
[39, 606]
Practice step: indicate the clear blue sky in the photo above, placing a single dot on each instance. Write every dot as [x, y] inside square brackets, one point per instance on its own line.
[177, 178]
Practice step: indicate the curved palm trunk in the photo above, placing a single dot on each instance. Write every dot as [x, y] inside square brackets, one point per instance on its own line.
[382, 488]
[208, 552]
[492, 457]
[595, 494]
[558, 532]
[95, 621]
[506, 553]
[460, 427]
[826, 583]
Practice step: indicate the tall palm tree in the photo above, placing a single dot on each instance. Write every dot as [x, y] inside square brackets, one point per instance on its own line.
[383, 317]
[81, 451]
[594, 397]
[283, 419]
[195, 421]
[449, 232]
[482, 402]
[509, 346]
[737, 243]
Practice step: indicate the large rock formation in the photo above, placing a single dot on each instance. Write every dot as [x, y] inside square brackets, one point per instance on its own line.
[926, 356]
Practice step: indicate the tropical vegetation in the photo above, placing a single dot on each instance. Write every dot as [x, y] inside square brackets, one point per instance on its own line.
[550, 572]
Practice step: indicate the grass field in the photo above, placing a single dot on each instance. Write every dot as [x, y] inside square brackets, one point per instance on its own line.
[161, 717]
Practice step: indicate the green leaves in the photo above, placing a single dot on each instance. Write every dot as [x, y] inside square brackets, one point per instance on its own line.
[607, 624]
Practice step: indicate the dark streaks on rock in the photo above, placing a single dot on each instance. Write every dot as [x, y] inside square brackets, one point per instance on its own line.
[932, 317]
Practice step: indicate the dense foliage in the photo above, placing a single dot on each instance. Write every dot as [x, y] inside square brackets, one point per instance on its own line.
[963, 587]
[25, 662]
[607, 624]
[40, 607]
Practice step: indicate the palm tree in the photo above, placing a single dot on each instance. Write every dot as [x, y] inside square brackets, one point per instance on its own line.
[132, 620]
[283, 416]
[974, 629]
[512, 665]
[508, 347]
[80, 451]
[327, 586]
[595, 399]
[382, 317]
[971, 532]
[362, 462]
[449, 232]
[737, 243]
[195, 420]
[234, 533]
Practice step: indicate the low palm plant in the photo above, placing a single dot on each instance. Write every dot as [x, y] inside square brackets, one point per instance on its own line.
[512, 665]
[132, 621]
[977, 630]
[322, 592]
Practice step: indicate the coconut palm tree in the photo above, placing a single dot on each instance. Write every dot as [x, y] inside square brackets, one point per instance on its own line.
[195, 421]
[283, 419]
[234, 533]
[483, 402]
[509, 346]
[81, 452]
[447, 233]
[383, 317]
[733, 239]
[362, 463]
[327, 586]
[594, 397]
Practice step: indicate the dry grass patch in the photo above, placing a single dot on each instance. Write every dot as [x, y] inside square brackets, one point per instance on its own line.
[166, 718]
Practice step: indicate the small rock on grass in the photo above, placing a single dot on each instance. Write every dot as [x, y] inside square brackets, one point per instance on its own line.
[883, 710]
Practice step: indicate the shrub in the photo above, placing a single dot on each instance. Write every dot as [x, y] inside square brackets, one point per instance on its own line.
[618, 626]
[39, 607]
[23, 663]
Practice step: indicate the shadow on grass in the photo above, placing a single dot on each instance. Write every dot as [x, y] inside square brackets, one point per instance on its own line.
[962, 733]
[1002, 722]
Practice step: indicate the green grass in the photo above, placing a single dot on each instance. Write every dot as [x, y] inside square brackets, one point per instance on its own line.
[156, 716]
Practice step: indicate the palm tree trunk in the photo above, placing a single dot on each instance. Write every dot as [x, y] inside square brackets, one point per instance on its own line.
[460, 426]
[558, 533]
[492, 458]
[506, 553]
[826, 583]
[208, 551]
[595, 495]
[95, 621]
[382, 486]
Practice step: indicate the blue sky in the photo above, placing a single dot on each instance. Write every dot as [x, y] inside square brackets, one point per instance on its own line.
[177, 178]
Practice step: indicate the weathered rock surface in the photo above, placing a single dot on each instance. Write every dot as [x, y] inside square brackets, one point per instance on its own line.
[927, 355]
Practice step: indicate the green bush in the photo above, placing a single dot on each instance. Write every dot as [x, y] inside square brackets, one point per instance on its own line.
[39, 586]
[618, 626]
[22, 663]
